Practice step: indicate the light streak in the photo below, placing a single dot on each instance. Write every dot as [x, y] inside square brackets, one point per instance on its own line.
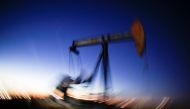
[163, 103]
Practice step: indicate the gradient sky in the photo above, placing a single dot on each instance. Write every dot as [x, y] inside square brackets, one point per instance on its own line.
[35, 36]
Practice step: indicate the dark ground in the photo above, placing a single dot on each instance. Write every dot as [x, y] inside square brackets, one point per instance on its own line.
[49, 104]
[45, 104]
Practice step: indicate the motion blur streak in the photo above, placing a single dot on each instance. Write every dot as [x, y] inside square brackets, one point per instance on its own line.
[84, 95]
[4, 94]
[57, 94]
[163, 103]
[128, 102]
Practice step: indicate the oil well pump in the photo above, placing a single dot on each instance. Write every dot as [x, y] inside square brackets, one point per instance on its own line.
[136, 34]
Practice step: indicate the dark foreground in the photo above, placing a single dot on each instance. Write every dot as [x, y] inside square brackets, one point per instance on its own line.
[51, 104]
[47, 104]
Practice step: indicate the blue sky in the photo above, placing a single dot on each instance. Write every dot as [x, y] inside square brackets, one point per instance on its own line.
[35, 37]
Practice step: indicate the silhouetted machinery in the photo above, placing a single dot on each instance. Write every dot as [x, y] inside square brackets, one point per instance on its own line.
[136, 34]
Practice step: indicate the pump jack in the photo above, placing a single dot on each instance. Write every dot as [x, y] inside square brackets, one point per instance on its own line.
[136, 34]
